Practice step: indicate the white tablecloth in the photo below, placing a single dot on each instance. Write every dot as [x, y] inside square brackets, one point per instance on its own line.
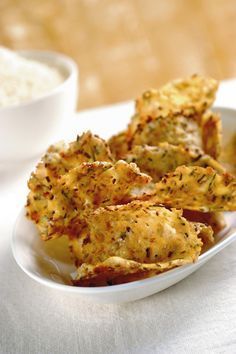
[198, 315]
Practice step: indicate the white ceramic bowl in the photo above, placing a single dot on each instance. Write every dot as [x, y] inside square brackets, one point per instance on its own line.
[27, 129]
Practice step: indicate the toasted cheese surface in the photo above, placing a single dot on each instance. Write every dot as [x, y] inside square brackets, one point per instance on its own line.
[214, 219]
[135, 241]
[211, 128]
[137, 231]
[119, 145]
[197, 188]
[192, 95]
[102, 183]
[176, 113]
[156, 161]
[175, 129]
[46, 205]
[116, 270]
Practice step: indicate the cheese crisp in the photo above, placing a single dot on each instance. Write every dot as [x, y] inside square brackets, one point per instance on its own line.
[197, 188]
[96, 184]
[46, 205]
[159, 160]
[146, 201]
[214, 219]
[187, 101]
[174, 129]
[119, 145]
[211, 134]
[190, 96]
[116, 270]
[139, 231]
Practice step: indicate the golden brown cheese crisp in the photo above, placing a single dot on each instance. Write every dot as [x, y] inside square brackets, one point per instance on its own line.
[116, 270]
[156, 161]
[177, 114]
[119, 145]
[134, 241]
[46, 205]
[190, 97]
[197, 188]
[174, 129]
[61, 158]
[211, 134]
[214, 219]
[193, 95]
[205, 233]
[140, 231]
[96, 184]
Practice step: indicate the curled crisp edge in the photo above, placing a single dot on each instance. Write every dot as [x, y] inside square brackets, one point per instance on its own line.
[116, 270]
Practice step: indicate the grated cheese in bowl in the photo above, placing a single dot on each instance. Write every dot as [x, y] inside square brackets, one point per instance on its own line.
[22, 80]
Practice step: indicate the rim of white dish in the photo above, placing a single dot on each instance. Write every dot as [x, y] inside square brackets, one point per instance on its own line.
[119, 287]
[64, 62]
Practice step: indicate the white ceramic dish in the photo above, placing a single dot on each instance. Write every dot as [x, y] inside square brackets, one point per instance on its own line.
[45, 263]
[27, 129]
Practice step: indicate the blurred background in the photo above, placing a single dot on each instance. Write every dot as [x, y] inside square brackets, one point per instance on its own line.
[123, 47]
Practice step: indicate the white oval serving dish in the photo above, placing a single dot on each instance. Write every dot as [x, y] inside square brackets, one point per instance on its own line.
[47, 264]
